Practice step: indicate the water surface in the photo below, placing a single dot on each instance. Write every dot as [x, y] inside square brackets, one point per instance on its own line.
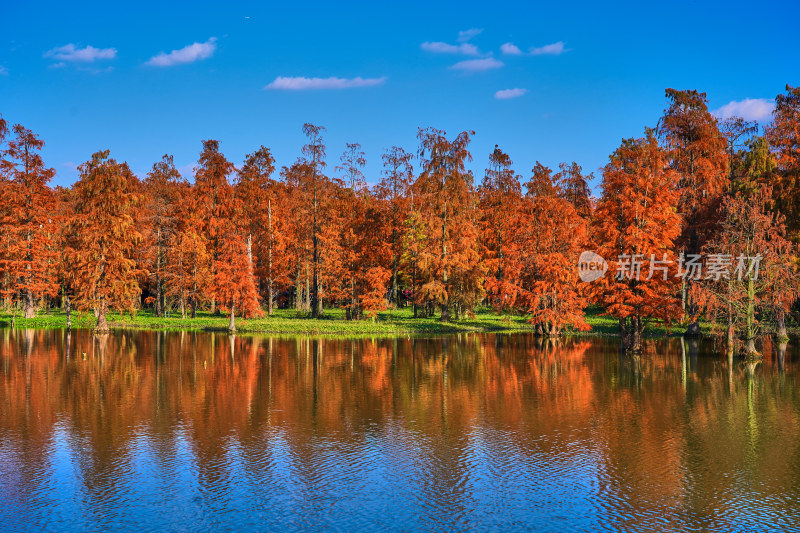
[152, 431]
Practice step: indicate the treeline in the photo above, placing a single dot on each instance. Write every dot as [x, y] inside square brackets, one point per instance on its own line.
[247, 239]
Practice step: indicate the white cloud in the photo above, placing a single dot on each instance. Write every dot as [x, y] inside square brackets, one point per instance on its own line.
[282, 83]
[506, 94]
[466, 35]
[477, 65]
[748, 109]
[187, 54]
[69, 52]
[553, 49]
[510, 49]
[3, 71]
[445, 48]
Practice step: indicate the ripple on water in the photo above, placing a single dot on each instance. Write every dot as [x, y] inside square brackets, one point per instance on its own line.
[400, 435]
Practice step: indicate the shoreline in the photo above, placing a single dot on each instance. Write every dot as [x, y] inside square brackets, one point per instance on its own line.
[391, 323]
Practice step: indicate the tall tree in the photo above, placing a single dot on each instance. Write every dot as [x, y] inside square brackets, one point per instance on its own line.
[256, 189]
[314, 155]
[188, 278]
[754, 275]
[353, 206]
[394, 188]
[500, 196]
[28, 222]
[552, 236]
[162, 187]
[214, 193]
[636, 223]
[784, 139]
[697, 151]
[105, 237]
[452, 273]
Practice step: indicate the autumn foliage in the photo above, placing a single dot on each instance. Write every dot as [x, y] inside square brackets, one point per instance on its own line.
[426, 234]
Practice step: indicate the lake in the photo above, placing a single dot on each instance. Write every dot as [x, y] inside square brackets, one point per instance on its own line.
[183, 431]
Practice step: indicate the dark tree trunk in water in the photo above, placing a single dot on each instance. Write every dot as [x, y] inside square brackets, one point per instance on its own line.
[102, 325]
[631, 331]
[750, 347]
[782, 325]
[693, 329]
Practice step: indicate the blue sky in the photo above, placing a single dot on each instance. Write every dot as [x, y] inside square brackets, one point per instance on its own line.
[147, 79]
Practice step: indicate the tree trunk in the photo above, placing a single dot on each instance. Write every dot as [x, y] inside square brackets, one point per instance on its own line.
[731, 337]
[29, 310]
[636, 344]
[102, 324]
[782, 324]
[631, 330]
[68, 309]
[232, 323]
[750, 320]
[298, 291]
[309, 299]
[683, 297]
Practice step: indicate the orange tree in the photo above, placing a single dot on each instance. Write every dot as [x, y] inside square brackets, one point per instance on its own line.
[636, 221]
[759, 278]
[161, 187]
[256, 190]
[698, 152]
[394, 189]
[784, 139]
[234, 281]
[28, 221]
[105, 238]
[552, 235]
[500, 199]
[214, 193]
[450, 266]
[188, 276]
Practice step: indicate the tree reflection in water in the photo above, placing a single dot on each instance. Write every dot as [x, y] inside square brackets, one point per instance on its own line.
[156, 430]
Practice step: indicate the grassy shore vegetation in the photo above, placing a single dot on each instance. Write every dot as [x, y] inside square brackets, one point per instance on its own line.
[290, 322]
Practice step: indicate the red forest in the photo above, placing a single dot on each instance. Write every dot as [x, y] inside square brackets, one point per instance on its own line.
[247, 239]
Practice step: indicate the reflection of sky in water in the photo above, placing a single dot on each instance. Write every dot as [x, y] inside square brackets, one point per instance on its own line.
[469, 433]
